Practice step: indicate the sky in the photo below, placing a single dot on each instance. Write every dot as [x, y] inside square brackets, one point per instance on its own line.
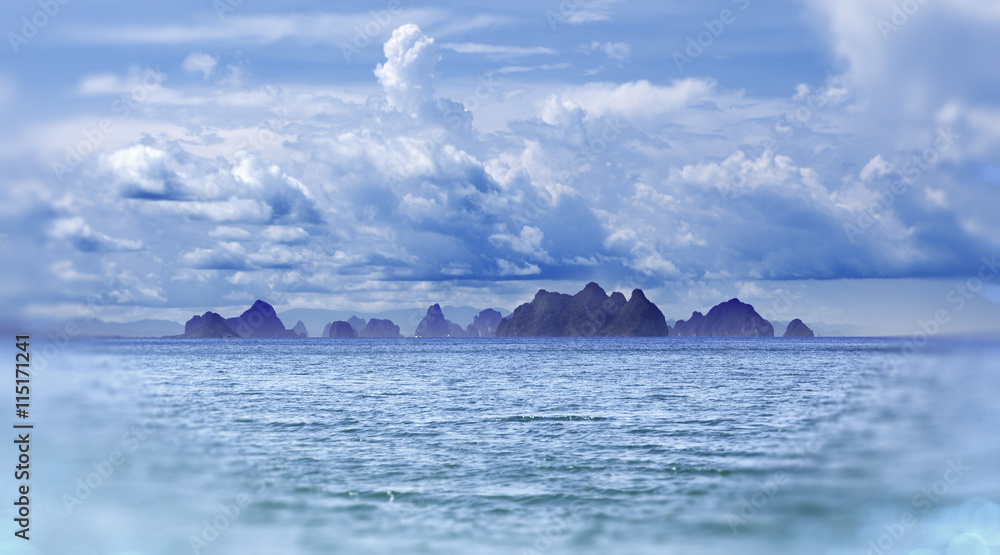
[835, 161]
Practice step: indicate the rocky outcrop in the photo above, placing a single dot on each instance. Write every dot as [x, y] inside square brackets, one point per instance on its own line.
[589, 313]
[342, 330]
[300, 329]
[380, 328]
[435, 324]
[357, 323]
[796, 328]
[638, 318]
[259, 321]
[729, 319]
[455, 330]
[326, 330]
[484, 324]
[208, 325]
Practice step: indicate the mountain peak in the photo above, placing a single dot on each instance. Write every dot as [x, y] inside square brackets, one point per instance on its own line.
[589, 313]
[796, 328]
[732, 318]
[435, 324]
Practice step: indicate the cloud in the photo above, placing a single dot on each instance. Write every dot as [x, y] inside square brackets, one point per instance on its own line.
[403, 187]
[286, 235]
[325, 28]
[139, 83]
[616, 50]
[749, 290]
[638, 98]
[526, 69]
[903, 65]
[498, 51]
[653, 264]
[198, 62]
[576, 12]
[236, 76]
[528, 242]
[144, 172]
[66, 271]
[221, 211]
[407, 73]
[169, 180]
[507, 268]
[78, 233]
[330, 192]
[224, 256]
[227, 232]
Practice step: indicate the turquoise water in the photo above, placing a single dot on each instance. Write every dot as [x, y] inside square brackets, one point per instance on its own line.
[517, 446]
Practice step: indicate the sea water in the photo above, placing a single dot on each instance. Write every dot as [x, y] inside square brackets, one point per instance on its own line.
[515, 446]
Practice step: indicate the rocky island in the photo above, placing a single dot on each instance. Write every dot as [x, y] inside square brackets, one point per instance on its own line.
[485, 324]
[729, 319]
[207, 325]
[435, 324]
[798, 329]
[259, 321]
[357, 323]
[589, 313]
[341, 330]
[380, 328]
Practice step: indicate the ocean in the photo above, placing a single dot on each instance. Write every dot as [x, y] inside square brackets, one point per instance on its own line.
[513, 446]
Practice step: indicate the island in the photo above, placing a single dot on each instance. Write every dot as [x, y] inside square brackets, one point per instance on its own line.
[208, 325]
[592, 312]
[380, 329]
[798, 329]
[342, 330]
[589, 313]
[435, 324]
[260, 321]
[485, 324]
[729, 319]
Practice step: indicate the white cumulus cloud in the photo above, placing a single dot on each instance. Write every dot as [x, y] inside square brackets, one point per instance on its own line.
[199, 62]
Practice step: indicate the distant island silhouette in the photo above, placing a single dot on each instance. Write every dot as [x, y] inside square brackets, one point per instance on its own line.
[589, 313]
